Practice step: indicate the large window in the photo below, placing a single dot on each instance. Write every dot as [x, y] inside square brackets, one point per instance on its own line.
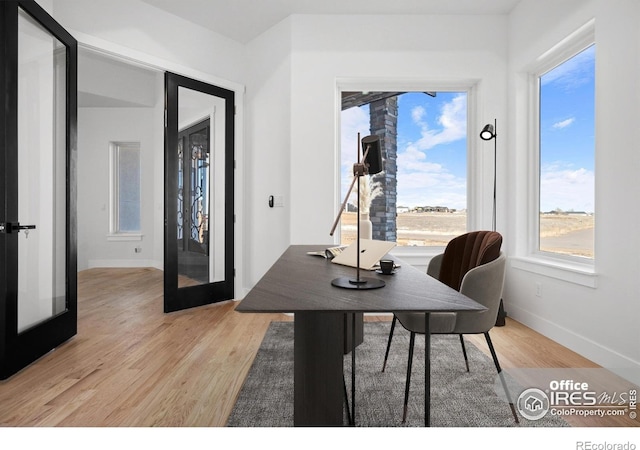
[566, 162]
[421, 197]
[125, 188]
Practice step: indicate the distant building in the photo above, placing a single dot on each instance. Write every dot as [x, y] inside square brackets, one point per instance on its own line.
[567, 213]
[440, 209]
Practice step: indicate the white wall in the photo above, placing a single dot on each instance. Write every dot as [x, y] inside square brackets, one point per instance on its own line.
[268, 144]
[97, 127]
[135, 26]
[110, 82]
[600, 323]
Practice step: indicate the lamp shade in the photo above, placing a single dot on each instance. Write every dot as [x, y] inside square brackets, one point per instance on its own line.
[374, 157]
[488, 132]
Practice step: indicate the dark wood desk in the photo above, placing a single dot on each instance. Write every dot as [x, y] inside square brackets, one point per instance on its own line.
[301, 284]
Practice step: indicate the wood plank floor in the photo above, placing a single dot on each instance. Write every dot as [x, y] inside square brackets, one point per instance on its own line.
[132, 365]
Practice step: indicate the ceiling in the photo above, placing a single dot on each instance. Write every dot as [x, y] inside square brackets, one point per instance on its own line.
[243, 20]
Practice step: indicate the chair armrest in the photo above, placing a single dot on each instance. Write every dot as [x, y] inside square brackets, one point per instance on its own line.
[433, 269]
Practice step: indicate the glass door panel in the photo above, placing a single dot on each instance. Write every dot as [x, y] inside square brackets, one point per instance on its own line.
[199, 193]
[38, 129]
[41, 173]
[194, 248]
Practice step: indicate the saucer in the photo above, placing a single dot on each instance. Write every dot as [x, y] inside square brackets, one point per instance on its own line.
[382, 273]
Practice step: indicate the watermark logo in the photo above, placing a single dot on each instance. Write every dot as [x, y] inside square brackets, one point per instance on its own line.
[533, 404]
[568, 397]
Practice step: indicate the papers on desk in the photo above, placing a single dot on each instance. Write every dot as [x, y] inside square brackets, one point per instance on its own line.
[329, 253]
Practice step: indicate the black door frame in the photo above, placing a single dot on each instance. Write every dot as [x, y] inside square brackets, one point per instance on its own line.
[188, 297]
[17, 350]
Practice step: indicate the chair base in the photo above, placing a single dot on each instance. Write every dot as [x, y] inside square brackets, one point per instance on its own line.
[494, 356]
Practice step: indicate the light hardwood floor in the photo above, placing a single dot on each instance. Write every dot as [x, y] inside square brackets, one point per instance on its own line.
[132, 365]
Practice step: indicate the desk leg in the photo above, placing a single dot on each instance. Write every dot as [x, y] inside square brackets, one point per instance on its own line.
[318, 369]
[353, 331]
[353, 369]
[427, 372]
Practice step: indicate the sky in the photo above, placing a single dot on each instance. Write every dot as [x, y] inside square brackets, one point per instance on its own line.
[432, 148]
[432, 142]
[567, 136]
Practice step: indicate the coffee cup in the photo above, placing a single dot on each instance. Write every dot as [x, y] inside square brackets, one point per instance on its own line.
[387, 266]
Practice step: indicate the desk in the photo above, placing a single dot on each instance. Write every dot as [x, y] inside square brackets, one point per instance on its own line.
[301, 284]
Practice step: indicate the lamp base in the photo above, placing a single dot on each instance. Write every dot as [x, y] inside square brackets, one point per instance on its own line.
[362, 283]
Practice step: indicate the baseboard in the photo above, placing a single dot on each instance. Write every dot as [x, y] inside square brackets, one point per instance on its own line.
[123, 263]
[617, 363]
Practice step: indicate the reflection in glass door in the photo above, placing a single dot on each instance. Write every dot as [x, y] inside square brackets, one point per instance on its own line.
[41, 173]
[193, 204]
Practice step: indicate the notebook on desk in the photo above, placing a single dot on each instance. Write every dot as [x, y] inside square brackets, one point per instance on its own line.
[371, 251]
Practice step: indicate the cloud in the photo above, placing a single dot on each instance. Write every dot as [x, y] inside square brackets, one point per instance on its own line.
[573, 72]
[566, 187]
[564, 123]
[413, 160]
[417, 114]
[353, 120]
[452, 119]
[422, 183]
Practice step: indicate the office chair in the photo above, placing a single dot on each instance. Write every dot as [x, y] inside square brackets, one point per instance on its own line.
[473, 265]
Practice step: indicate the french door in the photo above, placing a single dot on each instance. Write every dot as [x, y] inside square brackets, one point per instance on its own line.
[199, 174]
[38, 114]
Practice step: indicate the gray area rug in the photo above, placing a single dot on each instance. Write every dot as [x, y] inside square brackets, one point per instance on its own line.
[458, 398]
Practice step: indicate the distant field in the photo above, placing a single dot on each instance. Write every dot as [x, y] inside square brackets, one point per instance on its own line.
[569, 234]
[559, 233]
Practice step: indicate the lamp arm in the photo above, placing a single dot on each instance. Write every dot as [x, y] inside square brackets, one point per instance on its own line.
[358, 171]
[344, 203]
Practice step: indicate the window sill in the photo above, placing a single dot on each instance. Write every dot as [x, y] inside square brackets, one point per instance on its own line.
[124, 237]
[417, 256]
[570, 271]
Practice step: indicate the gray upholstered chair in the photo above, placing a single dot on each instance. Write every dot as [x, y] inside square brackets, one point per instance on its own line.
[474, 265]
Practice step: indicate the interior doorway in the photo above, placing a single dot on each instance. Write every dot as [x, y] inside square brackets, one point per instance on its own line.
[119, 102]
[122, 101]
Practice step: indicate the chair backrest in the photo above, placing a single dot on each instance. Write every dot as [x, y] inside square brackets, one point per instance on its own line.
[466, 252]
[484, 285]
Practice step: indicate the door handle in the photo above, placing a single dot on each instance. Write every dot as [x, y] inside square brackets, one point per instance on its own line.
[11, 227]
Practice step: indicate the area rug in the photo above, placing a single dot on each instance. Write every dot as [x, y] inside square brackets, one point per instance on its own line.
[458, 398]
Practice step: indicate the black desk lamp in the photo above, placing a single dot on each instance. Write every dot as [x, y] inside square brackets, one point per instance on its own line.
[370, 164]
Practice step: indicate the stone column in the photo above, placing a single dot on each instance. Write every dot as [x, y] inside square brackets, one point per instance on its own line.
[383, 121]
